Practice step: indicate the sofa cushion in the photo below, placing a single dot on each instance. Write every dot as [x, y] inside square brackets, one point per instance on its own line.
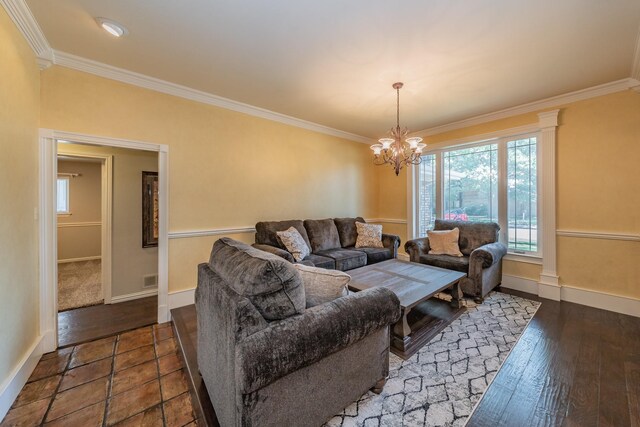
[322, 285]
[444, 242]
[446, 261]
[319, 261]
[374, 255]
[266, 232]
[346, 259]
[347, 230]
[323, 234]
[369, 236]
[472, 234]
[271, 283]
[295, 244]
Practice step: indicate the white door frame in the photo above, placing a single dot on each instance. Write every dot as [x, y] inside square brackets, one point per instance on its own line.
[106, 196]
[48, 223]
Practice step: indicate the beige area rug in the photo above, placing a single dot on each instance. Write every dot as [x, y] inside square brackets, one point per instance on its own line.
[79, 284]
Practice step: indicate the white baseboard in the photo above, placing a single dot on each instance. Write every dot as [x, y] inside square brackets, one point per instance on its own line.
[181, 298]
[135, 295]
[601, 300]
[604, 301]
[521, 284]
[11, 386]
[86, 258]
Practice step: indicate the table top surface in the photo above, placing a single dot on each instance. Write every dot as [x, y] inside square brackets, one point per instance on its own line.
[410, 281]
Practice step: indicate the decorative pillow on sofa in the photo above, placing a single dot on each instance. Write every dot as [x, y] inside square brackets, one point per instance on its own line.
[369, 235]
[271, 283]
[444, 242]
[294, 242]
[322, 285]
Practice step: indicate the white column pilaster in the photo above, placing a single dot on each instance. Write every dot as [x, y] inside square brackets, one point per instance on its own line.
[548, 284]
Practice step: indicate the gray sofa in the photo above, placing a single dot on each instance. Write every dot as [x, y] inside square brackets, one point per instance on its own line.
[267, 359]
[332, 242]
[482, 260]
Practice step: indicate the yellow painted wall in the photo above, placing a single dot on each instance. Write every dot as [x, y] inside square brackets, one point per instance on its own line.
[598, 190]
[226, 169]
[19, 105]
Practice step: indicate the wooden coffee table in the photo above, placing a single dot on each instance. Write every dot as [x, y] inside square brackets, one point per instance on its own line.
[415, 284]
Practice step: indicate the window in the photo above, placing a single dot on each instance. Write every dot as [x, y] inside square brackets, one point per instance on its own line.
[427, 197]
[495, 181]
[471, 184]
[63, 195]
[522, 195]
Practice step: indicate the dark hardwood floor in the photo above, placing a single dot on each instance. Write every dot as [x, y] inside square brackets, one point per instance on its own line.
[99, 321]
[574, 365]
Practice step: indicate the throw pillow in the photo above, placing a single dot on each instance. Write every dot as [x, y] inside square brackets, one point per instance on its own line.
[444, 242]
[369, 235]
[322, 285]
[294, 242]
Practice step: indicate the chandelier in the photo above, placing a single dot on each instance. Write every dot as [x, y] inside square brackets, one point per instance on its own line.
[393, 151]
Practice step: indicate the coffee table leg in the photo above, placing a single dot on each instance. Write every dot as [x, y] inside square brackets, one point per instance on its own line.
[456, 295]
[401, 331]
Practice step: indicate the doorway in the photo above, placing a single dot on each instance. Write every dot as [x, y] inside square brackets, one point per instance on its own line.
[123, 298]
[84, 234]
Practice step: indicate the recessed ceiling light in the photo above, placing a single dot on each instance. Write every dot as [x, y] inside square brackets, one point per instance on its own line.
[112, 27]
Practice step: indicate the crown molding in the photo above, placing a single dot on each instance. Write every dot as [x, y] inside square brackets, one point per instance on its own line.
[114, 73]
[554, 101]
[21, 15]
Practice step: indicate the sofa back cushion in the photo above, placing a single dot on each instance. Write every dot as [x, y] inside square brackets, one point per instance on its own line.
[347, 230]
[323, 234]
[271, 283]
[266, 232]
[472, 234]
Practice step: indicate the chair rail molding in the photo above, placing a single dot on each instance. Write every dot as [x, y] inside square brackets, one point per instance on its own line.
[186, 234]
[601, 235]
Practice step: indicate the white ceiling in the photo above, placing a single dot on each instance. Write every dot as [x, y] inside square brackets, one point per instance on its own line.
[332, 62]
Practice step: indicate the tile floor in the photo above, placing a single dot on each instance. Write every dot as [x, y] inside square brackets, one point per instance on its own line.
[136, 378]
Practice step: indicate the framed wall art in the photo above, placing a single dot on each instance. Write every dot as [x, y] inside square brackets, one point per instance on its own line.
[149, 209]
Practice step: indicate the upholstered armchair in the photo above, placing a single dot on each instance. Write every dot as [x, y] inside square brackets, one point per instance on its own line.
[481, 260]
[269, 358]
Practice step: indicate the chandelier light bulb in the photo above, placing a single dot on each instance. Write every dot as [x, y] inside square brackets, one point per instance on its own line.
[386, 143]
[413, 142]
[377, 148]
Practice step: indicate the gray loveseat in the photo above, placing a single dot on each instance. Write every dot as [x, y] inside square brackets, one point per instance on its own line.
[482, 260]
[267, 359]
[332, 242]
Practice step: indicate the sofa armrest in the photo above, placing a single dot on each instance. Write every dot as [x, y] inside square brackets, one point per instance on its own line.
[391, 242]
[417, 247]
[276, 251]
[299, 341]
[488, 254]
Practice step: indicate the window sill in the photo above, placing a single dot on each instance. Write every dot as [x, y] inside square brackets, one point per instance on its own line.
[64, 214]
[530, 259]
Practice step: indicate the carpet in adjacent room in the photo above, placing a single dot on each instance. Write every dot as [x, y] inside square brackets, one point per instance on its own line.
[79, 284]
